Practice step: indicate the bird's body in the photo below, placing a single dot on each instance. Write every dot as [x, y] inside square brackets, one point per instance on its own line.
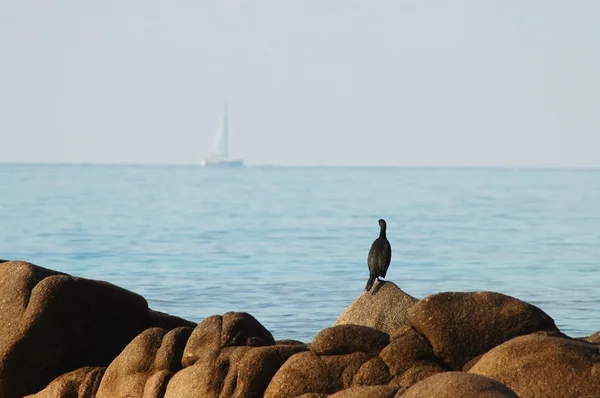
[380, 256]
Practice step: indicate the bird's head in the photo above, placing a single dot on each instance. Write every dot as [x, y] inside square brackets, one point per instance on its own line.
[382, 223]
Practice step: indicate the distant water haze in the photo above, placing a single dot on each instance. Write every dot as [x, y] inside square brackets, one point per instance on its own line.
[312, 82]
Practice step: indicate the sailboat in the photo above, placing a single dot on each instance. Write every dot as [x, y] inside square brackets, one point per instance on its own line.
[220, 150]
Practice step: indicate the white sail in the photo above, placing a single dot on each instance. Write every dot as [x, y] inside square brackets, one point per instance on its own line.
[220, 148]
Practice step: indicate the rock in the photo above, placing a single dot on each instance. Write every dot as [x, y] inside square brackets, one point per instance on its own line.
[471, 363]
[367, 392]
[52, 323]
[459, 384]
[461, 326]
[307, 372]
[258, 367]
[385, 308]
[80, 383]
[146, 365]
[168, 322]
[205, 341]
[216, 332]
[344, 367]
[214, 352]
[371, 373]
[288, 342]
[347, 339]
[234, 360]
[407, 349]
[312, 395]
[241, 328]
[303, 373]
[594, 338]
[541, 366]
[208, 377]
[418, 372]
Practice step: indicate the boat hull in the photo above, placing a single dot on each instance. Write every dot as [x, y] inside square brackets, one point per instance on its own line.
[221, 163]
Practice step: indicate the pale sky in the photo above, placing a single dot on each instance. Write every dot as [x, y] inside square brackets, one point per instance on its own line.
[308, 82]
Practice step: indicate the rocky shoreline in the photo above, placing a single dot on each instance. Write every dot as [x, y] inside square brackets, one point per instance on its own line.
[64, 336]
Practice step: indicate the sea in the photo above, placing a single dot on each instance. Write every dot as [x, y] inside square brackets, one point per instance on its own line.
[289, 244]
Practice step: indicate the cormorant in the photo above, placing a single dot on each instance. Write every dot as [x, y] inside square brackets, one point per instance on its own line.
[380, 256]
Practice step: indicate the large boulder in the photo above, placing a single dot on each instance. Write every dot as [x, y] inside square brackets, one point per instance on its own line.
[594, 338]
[229, 330]
[346, 339]
[461, 326]
[214, 355]
[387, 391]
[384, 308]
[259, 365]
[542, 366]
[52, 323]
[372, 373]
[80, 383]
[208, 378]
[146, 365]
[417, 373]
[344, 367]
[303, 373]
[459, 384]
[307, 372]
[409, 357]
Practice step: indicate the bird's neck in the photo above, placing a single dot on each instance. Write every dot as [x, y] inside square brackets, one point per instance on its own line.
[382, 232]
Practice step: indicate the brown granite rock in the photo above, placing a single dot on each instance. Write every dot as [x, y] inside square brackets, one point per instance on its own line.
[235, 357]
[461, 326]
[346, 339]
[241, 328]
[344, 367]
[309, 373]
[259, 365]
[52, 323]
[209, 377]
[594, 338]
[146, 364]
[166, 321]
[459, 384]
[288, 342]
[384, 308]
[371, 373]
[367, 392]
[303, 373]
[418, 372]
[541, 366]
[407, 349]
[205, 341]
[80, 383]
[312, 395]
[216, 332]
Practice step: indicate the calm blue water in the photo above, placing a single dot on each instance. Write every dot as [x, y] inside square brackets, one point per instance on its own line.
[289, 245]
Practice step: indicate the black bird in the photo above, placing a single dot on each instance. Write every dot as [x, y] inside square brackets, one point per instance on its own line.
[380, 256]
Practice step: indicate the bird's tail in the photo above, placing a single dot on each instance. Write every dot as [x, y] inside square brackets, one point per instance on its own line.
[370, 282]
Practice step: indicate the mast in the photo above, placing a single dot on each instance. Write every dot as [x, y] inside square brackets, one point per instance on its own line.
[220, 148]
[225, 144]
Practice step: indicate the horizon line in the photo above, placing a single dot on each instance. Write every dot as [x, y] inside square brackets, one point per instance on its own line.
[259, 165]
